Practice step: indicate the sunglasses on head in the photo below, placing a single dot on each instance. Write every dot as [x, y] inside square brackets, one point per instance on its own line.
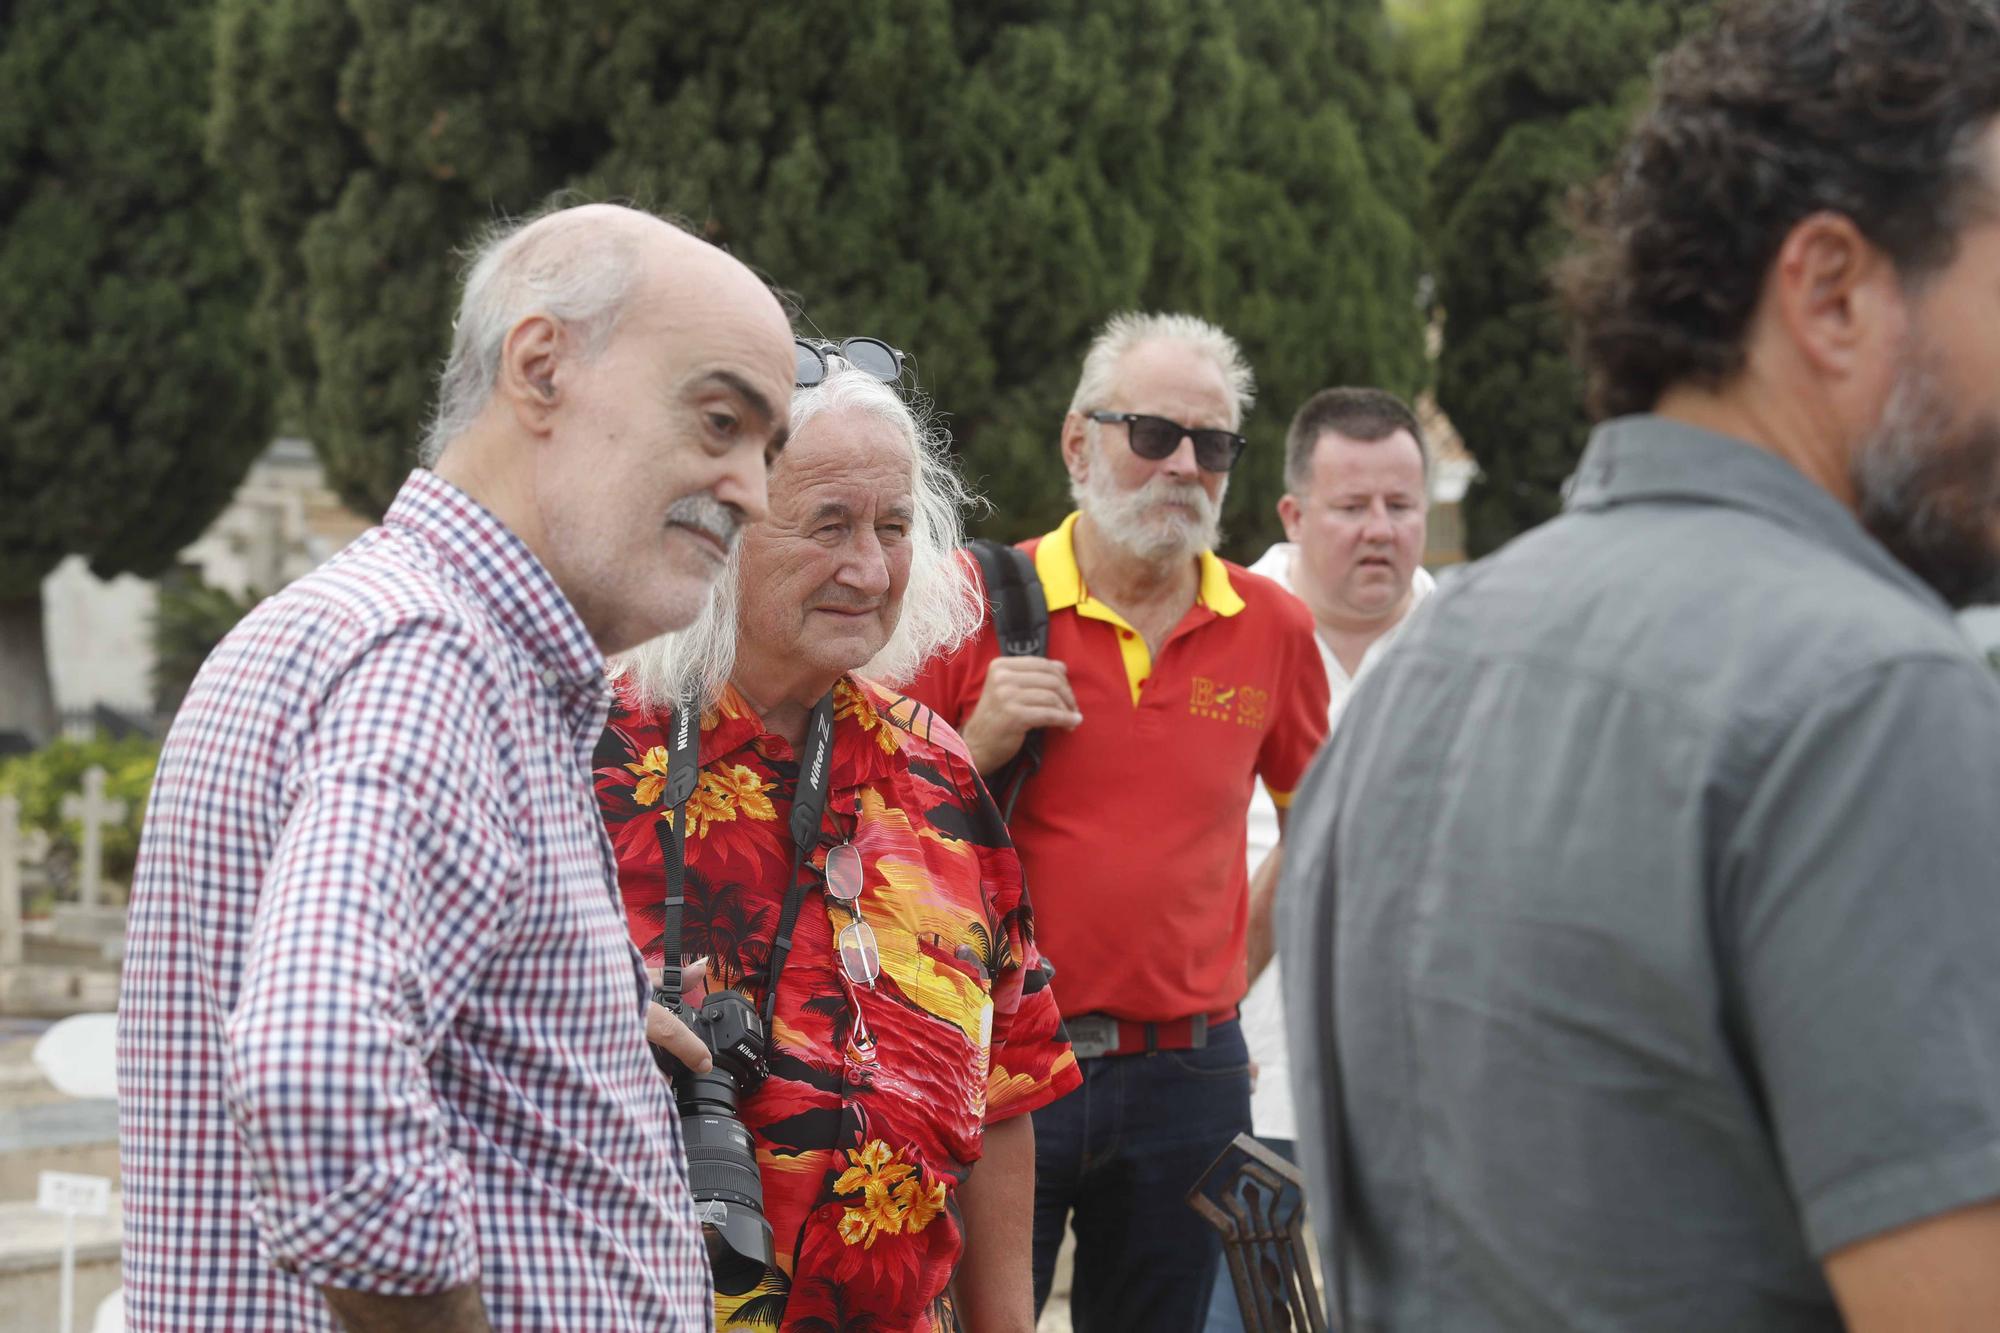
[1157, 437]
[871, 356]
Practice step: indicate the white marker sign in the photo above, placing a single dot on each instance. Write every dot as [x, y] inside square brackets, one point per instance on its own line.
[78, 1196]
[73, 1196]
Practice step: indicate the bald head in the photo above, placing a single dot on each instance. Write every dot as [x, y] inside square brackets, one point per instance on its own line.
[586, 268]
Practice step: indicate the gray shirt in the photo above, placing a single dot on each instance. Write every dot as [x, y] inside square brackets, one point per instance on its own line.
[1667, 856]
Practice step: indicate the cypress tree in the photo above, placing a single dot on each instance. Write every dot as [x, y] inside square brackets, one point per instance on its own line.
[131, 400]
[1546, 92]
[980, 185]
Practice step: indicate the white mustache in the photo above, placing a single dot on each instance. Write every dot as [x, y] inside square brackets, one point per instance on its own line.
[1189, 493]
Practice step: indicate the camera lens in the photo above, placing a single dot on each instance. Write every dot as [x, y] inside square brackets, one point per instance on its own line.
[729, 1199]
[722, 1157]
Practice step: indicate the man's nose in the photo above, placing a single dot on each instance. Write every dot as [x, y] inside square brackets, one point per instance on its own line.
[1180, 463]
[866, 569]
[745, 483]
[1377, 526]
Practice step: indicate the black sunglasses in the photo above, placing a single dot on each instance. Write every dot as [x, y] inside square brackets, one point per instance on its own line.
[1157, 437]
[871, 356]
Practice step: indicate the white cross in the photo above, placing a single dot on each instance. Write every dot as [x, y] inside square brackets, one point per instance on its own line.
[12, 849]
[93, 812]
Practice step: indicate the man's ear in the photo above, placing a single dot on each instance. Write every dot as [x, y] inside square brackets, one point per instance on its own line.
[1838, 298]
[1076, 445]
[531, 363]
[1291, 514]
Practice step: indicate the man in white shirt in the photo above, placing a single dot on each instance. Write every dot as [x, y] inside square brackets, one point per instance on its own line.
[1354, 510]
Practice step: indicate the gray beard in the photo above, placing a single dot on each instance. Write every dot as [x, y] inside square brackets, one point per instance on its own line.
[1927, 484]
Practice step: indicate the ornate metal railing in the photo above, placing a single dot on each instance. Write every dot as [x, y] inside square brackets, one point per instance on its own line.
[1256, 1199]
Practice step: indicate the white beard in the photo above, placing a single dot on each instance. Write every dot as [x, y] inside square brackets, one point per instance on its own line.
[1130, 521]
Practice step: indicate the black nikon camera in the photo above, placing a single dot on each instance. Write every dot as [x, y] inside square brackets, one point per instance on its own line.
[722, 1163]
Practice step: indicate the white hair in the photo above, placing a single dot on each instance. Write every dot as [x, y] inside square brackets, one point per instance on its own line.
[579, 266]
[941, 605]
[1131, 328]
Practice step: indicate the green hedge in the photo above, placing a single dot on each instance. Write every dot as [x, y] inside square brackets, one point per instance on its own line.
[980, 184]
[41, 780]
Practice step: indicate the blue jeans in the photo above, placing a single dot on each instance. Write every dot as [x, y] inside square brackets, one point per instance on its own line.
[1120, 1154]
[1224, 1315]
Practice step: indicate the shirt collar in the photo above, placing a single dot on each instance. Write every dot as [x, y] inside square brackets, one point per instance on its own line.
[1062, 577]
[1644, 458]
[501, 572]
[1277, 564]
[863, 735]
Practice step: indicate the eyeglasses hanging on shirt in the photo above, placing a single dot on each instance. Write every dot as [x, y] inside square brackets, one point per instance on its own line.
[855, 948]
[859, 957]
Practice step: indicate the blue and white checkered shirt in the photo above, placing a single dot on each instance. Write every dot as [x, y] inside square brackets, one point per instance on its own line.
[381, 1027]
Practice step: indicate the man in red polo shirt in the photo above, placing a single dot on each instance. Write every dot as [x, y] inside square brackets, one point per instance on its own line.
[1175, 680]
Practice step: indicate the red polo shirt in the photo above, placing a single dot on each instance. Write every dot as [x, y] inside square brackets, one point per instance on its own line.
[1132, 833]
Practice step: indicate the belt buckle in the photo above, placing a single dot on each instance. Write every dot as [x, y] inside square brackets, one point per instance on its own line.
[1092, 1035]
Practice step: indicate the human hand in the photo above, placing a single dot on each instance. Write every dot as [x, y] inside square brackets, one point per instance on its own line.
[1020, 695]
[665, 1029]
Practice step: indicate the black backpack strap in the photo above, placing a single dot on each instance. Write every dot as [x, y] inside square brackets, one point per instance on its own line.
[1014, 592]
[1021, 623]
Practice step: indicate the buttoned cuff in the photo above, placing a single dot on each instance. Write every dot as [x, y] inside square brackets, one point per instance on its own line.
[404, 1228]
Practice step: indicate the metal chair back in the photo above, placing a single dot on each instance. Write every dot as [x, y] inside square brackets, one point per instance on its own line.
[1256, 1199]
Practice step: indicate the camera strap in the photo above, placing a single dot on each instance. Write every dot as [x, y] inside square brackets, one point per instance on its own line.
[808, 805]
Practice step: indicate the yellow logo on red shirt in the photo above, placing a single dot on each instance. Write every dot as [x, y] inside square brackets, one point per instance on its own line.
[1245, 705]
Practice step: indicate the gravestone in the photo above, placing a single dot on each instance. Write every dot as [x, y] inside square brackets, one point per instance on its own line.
[92, 811]
[13, 850]
[43, 970]
[89, 920]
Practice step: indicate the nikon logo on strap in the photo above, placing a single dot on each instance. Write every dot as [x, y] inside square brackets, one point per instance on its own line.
[683, 761]
[822, 743]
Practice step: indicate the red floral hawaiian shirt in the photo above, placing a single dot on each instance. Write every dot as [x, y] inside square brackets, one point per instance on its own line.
[861, 1147]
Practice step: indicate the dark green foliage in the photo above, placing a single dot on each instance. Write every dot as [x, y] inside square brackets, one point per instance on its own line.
[1546, 92]
[1430, 41]
[131, 400]
[980, 184]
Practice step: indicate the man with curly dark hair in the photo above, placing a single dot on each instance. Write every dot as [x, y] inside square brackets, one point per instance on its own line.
[1682, 1014]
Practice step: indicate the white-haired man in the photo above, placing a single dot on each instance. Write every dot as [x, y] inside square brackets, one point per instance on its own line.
[844, 872]
[382, 1059]
[1174, 681]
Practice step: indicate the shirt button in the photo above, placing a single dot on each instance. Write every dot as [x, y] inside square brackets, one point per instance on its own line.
[1125, 634]
[549, 676]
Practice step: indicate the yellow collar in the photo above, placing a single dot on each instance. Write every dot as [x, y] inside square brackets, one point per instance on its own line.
[1062, 577]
